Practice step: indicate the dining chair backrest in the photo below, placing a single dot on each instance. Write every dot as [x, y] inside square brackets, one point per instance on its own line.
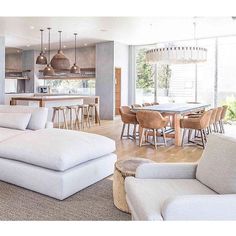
[151, 119]
[127, 116]
[218, 114]
[213, 116]
[205, 119]
[223, 113]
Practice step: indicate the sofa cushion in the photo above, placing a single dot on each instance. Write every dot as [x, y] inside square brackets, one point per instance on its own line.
[38, 115]
[56, 149]
[6, 133]
[217, 166]
[14, 120]
[146, 196]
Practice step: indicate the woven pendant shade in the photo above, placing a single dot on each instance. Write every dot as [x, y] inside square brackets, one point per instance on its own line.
[60, 61]
[41, 59]
[75, 69]
[48, 70]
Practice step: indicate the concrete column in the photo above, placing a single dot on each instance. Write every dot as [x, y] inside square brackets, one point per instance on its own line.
[28, 63]
[2, 70]
[105, 79]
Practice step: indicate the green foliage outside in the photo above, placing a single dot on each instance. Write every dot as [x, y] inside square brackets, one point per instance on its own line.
[70, 85]
[146, 72]
[231, 112]
[145, 78]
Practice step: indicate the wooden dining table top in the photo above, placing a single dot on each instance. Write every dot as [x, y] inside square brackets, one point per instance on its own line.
[180, 108]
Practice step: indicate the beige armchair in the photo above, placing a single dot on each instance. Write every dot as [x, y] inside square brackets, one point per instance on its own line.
[187, 191]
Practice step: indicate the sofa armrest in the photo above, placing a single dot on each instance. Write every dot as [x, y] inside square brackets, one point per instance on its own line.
[200, 207]
[166, 171]
[49, 125]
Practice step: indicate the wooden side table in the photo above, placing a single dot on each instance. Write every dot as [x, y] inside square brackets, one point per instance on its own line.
[124, 168]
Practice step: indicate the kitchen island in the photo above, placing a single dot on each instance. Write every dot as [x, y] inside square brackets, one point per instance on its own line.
[54, 100]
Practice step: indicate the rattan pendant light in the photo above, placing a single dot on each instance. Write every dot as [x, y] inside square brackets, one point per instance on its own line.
[48, 70]
[75, 69]
[41, 59]
[60, 61]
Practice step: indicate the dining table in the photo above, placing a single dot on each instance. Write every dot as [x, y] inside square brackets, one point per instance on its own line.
[177, 111]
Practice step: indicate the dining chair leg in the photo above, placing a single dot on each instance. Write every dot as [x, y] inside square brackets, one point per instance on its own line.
[155, 138]
[122, 132]
[141, 133]
[222, 126]
[204, 133]
[202, 138]
[189, 135]
[215, 128]
[134, 133]
[164, 136]
[210, 129]
[128, 131]
[184, 133]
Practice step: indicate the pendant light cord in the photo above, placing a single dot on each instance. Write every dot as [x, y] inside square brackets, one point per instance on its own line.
[41, 40]
[49, 44]
[60, 39]
[75, 48]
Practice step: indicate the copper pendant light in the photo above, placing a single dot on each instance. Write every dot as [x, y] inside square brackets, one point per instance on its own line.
[48, 70]
[41, 59]
[75, 69]
[60, 61]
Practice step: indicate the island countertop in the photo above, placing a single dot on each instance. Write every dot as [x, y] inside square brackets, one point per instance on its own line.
[42, 98]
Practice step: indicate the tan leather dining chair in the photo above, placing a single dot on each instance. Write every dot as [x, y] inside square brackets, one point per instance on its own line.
[223, 114]
[128, 117]
[151, 120]
[200, 124]
[218, 118]
[212, 120]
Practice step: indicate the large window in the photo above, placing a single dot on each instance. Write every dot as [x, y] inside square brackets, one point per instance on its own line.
[189, 82]
[83, 87]
[145, 78]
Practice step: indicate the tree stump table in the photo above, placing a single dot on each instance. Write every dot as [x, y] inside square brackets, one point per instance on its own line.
[124, 168]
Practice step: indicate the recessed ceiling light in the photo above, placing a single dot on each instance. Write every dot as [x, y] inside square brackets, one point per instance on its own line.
[85, 44]
[45, 48]
[31, 27]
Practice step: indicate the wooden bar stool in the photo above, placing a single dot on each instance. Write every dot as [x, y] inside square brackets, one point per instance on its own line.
[56, 110]
[83, 112]
[93, 113]
[74, 122]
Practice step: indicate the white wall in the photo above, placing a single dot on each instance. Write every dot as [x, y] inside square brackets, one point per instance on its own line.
[121, 59]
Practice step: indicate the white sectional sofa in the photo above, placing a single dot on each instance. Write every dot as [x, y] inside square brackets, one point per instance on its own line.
[185, 191]
[54, 162]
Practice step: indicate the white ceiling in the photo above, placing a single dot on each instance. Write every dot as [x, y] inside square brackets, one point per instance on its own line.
[23, 32]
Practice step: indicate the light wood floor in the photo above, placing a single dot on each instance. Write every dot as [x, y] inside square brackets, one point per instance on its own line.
[127, 148]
